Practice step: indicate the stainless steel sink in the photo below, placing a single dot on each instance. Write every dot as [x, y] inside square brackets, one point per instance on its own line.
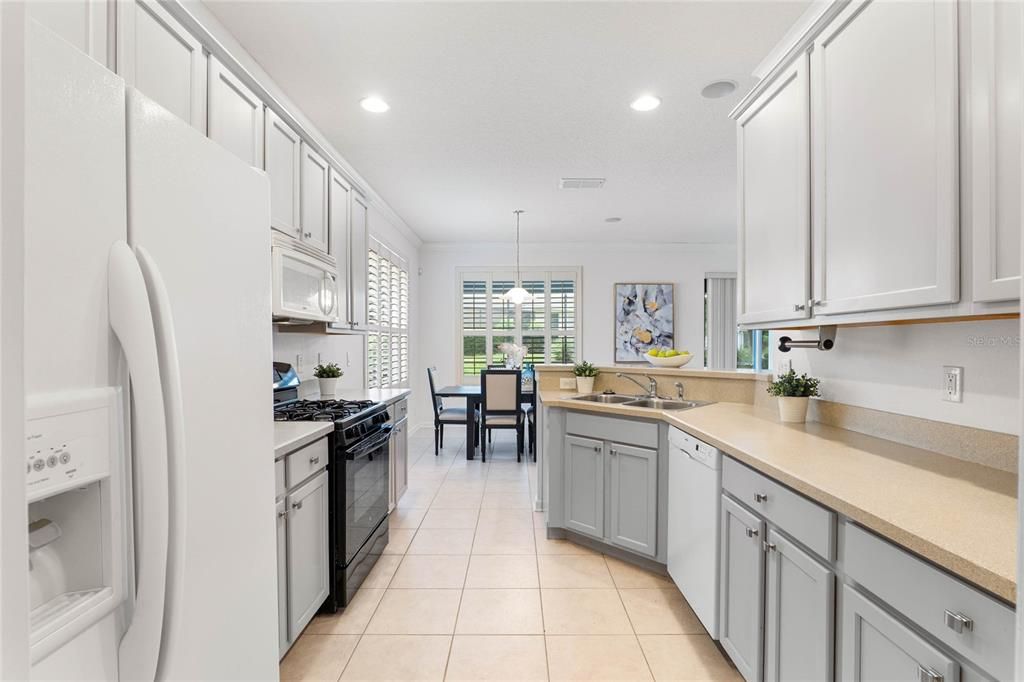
[662, 404]
[606, 398]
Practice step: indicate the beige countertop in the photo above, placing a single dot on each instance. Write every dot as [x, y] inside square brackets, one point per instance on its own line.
[289, 436]
[377, 395]
[959, 515]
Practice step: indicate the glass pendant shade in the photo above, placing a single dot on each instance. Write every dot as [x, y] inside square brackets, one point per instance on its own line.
[517, 295]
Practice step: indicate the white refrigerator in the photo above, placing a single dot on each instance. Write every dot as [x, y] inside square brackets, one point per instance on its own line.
[148, 423]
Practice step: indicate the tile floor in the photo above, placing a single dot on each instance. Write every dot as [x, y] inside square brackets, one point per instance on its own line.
[470, 588]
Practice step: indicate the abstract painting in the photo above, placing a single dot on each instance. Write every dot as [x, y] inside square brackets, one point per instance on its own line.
[644, 319]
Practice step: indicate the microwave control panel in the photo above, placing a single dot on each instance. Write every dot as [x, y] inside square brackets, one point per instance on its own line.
[71, 439]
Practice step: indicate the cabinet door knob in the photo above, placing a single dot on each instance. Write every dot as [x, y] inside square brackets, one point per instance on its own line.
[760, 498]
[282, 514]
[297, 505]
[798, 307]
[768, 546]
[751, 533]
[958, 622]
[927, 675]
[613, 452]
[307, 235]
[597, 448]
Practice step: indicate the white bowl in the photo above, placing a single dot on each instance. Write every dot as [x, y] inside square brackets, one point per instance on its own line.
[674, 361]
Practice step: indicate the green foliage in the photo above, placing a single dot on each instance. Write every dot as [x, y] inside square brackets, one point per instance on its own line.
[789, 385]
[327, 371]
[585, 369]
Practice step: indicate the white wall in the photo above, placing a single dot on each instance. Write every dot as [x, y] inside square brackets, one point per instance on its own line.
[602, 266]
[899, 369]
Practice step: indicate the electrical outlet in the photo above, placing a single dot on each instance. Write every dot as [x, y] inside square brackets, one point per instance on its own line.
[569, 383]
[298, 363]
[953, 384]
[784, 365]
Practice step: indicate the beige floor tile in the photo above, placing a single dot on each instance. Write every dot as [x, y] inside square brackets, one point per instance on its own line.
[442, 541]
[491, 540]
[406, 517]
[584, 612]
[573, 571]
[382, 571]
[500, 612]
[514, 485]
[628, 576]
[497, 657]
[689, 658]
[415, 612]
[425, 571]
[660, 612]
[488, 571]
[538, 520]
[596, 658]
[450, 518]
[398, 657]
[318, 657]
[546, 546]
[352, 619]
[419, 499]
[505, 518]
[457, 500]
[398, 540]
[520, 500]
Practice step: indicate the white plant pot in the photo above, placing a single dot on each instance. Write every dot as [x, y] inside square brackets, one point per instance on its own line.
[793, 410]
[584, 384]
[328, 386]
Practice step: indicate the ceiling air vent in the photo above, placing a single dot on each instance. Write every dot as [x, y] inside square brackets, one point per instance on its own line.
[581, 183]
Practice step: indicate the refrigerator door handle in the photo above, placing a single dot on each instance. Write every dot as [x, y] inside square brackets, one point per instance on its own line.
[132, 322]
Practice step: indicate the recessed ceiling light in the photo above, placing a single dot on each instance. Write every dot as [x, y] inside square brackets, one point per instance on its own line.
[645, 103]
[374, 104]
[718, 89]
[613, 219]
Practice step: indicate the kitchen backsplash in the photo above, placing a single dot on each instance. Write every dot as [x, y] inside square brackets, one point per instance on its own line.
[347, 350]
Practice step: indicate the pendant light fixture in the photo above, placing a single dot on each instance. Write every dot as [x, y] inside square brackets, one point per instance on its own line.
[517, 295]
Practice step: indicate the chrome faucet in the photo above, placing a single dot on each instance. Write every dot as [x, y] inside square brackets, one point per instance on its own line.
[679, 389]
[651, 388]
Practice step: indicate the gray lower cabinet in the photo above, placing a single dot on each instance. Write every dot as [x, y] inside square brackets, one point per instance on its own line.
[634, 497]
[876, 647]
[307, 552]
[584, 485]
[799, 613]
[741, 588]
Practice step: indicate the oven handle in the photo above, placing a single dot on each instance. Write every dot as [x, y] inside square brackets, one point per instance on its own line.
[366, 449]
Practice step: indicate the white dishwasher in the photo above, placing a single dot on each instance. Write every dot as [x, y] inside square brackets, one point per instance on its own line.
[694, 503]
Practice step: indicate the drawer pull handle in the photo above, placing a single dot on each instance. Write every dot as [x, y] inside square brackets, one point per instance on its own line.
[597, 448]
[927, 675]
[297, 505]
[798, 307]
[958, 622]
[768, 546]
[314, 460]
[760, 497]
[751, 533]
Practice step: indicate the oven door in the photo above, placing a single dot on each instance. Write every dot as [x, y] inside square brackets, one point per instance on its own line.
[367, 475]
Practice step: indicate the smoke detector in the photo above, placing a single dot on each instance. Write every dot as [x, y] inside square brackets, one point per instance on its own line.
[581, 183]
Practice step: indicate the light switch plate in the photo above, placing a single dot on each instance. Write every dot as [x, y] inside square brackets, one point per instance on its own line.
[568, 384]
[953, 384]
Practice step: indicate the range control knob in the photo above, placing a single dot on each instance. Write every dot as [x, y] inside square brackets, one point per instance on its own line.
[65, 457]
[39, 465]
[51, 461]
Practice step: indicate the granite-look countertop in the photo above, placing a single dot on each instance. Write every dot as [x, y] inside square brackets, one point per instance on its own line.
[290, 436]
[959, 515]
[377, 395]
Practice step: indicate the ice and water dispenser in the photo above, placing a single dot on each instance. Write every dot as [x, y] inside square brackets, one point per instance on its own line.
[74, 466]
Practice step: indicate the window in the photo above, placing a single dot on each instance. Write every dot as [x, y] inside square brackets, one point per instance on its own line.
[387, 317]
[753, 350]
[724, 346]
[548, 326]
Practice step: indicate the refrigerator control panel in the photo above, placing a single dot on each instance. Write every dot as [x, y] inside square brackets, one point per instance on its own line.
[71, 439]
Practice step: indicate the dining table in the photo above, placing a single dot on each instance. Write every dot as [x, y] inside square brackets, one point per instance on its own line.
[472, 396]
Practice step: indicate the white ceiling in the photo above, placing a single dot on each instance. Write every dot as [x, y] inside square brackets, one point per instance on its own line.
[491, 103]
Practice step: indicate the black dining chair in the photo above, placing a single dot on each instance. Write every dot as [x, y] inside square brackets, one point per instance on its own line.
[448, 415]
[501, 395]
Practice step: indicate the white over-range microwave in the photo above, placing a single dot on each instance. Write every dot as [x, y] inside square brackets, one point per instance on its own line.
[305, 284]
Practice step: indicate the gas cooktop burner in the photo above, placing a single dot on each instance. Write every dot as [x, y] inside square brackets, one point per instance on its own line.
[320, 410]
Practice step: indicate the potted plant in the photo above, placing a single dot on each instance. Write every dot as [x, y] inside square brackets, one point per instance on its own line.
[793, 392]
[328, 374]
[585, 373]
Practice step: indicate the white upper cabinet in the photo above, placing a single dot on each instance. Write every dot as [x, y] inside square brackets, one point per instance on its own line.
[282, 154]
[995, 92]
[339, 216]
[315, 178]
[156, 55]
[86, 24]
[885, 158]
[358, 254]
[235, 116]
[774, 201]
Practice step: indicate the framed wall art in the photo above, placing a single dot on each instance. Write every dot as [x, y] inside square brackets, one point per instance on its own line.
[644, 319]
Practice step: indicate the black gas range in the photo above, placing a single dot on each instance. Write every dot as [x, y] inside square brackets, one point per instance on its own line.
[357, 478]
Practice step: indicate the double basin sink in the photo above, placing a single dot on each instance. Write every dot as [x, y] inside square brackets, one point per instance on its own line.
[633, 401]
